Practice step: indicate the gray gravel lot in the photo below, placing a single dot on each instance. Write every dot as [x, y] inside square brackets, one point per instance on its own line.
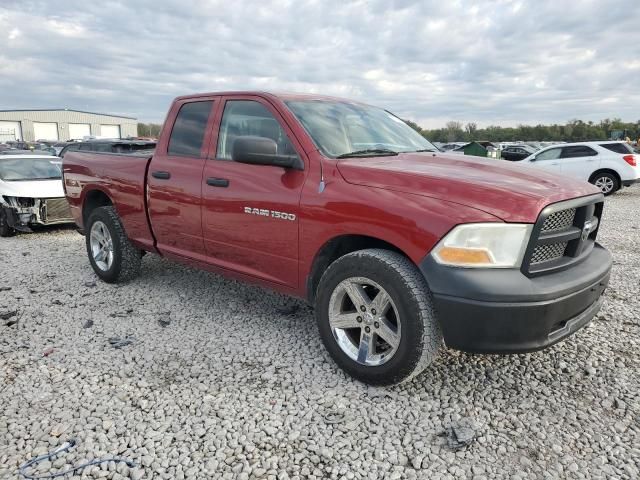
[223, 380]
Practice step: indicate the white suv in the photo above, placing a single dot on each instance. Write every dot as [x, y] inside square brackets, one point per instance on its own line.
[608, 165]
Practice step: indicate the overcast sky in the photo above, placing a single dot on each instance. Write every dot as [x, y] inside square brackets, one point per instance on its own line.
[494, 62]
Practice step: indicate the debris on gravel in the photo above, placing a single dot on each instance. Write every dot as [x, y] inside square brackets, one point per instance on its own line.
[117, 342]
[234, 386]
[164, 322]
[8, 315]
[460, 434]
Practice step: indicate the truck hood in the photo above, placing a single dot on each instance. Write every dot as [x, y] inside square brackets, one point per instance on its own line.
[32, 189]
[513, 193]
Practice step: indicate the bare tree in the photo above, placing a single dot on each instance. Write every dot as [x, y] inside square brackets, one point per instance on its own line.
[471, 129]
[454, 131]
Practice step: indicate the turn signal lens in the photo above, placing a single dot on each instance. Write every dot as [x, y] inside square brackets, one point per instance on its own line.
[463, 255]
[488, 245]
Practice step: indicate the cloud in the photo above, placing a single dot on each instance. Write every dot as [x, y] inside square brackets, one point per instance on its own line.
[494, 62]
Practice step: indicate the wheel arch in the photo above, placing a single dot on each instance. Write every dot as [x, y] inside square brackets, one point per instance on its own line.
[606, 170]
[337, 247]
[94, 199]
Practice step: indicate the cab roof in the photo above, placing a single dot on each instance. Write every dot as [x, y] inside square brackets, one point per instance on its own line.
[284, 96]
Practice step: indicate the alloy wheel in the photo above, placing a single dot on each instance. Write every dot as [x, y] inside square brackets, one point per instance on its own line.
[605, 184]
[101, 246]
[364, 321]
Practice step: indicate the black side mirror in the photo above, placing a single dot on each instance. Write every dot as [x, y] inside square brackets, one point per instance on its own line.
[262, 151]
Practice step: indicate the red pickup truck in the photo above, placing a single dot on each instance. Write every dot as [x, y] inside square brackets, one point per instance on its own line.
[397, 245]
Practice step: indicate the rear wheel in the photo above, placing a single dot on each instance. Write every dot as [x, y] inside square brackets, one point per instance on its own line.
[111, 254]
[5, 229]
[375, 317]
[606, 182]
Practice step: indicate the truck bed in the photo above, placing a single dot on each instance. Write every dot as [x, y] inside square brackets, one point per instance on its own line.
[97, 177]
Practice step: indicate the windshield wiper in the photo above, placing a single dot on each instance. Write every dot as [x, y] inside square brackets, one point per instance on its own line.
[425, 150]
[368, 152]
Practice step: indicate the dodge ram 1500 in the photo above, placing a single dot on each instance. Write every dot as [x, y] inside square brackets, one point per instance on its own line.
[397, 245]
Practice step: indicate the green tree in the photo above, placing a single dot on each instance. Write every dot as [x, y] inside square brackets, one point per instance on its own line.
[413, 125]
[572, 131]
[149, 129]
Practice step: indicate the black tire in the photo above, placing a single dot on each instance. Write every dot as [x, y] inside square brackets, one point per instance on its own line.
[420, 334]
[601, 179]
[5, 229]
[126, 258]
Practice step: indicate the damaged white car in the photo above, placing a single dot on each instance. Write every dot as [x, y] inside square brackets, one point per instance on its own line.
[31, 193]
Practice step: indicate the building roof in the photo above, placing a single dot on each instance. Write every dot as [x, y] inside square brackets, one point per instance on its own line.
[65, 110]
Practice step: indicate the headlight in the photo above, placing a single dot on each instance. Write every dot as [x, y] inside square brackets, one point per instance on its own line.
[21, 202]
[486, 245]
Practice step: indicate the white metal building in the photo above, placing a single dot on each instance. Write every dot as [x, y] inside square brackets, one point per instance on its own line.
[63, 124]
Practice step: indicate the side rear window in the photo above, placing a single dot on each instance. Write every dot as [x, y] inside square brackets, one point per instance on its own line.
[189, 128]
[578, 151]
[103, 147]
[622, 148]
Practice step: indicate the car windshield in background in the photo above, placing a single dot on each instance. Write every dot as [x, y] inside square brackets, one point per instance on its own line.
[342, 129]
[27, 152]
[27, 169]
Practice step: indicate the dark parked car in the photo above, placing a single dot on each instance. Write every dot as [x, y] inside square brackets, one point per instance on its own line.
[517, 152]
[109, 146]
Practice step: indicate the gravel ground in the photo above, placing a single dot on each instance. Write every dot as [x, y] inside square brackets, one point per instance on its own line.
[224, 380]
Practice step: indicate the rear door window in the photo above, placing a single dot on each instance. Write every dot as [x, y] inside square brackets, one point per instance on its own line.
[622, 148]
[189, 129]
[551, 154]
[578, 151]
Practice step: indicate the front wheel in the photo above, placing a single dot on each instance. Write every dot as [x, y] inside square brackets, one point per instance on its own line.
[111, 254]
[375, 317]
[606, 182]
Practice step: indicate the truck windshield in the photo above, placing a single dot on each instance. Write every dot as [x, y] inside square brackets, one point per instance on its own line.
[341, 129]
[16, 169]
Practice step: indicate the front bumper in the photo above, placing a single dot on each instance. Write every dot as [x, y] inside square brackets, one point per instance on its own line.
[14, 220]
[45, 211]
[504, 311]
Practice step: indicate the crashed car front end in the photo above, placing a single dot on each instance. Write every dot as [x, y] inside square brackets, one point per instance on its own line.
[21, 213]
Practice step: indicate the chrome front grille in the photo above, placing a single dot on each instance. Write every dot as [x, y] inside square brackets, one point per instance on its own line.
[55, 210]
[564, 233]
